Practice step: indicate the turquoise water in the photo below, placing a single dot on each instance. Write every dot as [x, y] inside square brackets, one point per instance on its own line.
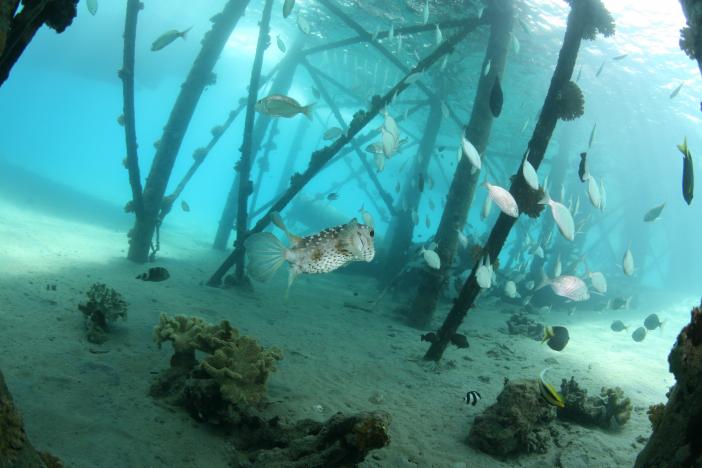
[61, 156]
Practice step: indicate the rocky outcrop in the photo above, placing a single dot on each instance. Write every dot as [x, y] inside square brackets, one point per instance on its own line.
[676, 440]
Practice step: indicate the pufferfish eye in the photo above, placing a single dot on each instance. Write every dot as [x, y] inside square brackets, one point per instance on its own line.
[372, 232]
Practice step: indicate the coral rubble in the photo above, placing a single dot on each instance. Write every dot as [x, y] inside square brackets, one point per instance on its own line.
[231, 377]
[675, 441]
[521, 324]
[517, 423]
[104, 305]
[340, 441]
[610, 409]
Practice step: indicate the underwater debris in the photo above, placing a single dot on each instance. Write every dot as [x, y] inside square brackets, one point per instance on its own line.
[231, 377]
[518, 422]
[104, 305]
[155, 274]
[342, 440]
[610, 409]
[570, 102]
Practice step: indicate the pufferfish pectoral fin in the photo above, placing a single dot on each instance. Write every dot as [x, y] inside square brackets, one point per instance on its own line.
[292, 274]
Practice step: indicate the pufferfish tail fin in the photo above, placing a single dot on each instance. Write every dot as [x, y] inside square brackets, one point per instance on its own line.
[266, 254]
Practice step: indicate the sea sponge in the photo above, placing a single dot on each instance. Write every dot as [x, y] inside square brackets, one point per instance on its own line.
[241, 369]
[12, 436]
[570, 102]
[183, 333]
[104, 305]
[231, 376]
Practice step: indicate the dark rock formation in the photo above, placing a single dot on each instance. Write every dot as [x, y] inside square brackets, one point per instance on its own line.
[341, 441]
[676, 440]
[517, 423]
[610, 409]
[521, 324]
[15, 449]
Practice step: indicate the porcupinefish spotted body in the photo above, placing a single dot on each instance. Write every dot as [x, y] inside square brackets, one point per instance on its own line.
[323, 252]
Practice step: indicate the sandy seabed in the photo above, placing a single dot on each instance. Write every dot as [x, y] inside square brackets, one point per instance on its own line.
[89, 404]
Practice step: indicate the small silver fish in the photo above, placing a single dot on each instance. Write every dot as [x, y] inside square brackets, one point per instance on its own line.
[333, 133]
[288, 7]
[570, 287]
[319, 253]
[169, 36]
[281, 44]
[92, 6]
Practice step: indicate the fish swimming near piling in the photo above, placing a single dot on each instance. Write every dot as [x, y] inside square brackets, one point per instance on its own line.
[561, 214]
[653, 214]
[503, 199]
[166, 38]
[583, 171]
[324, 252]
[288, 7]
[277, 105]
[676, 90]
[639, 334]
[496, 98]
[628, 262]
[592, 135]
[556, 337]
[92, 6]
[688, 180]
[155, 274]
[472, 398]
[184, 206]
[652, 322]
[570, 287]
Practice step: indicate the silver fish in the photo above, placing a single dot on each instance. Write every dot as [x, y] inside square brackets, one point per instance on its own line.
[92, 6]
[319, 253]
[281, 44]
[277, 105]
[570, 287]
[166, 38]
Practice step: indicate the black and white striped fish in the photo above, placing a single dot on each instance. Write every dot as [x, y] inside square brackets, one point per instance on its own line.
[472, 398]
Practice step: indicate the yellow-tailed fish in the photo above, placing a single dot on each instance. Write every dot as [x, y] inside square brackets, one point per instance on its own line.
[549, 393]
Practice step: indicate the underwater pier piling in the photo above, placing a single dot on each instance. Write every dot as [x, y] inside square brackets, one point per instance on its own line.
[198, 78]
[126, 74]
[244, 164]
[470, 23]
[400, 238]
[585, 19]
[384, 195]
[281, 85]
[500, 14]
[18, 29]
[322, 156]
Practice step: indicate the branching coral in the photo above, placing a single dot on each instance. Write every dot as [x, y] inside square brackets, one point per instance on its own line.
[104, 305]
[570, 101]
[183, 333]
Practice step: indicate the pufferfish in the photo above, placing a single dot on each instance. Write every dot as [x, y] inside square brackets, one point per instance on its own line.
[324, 252]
